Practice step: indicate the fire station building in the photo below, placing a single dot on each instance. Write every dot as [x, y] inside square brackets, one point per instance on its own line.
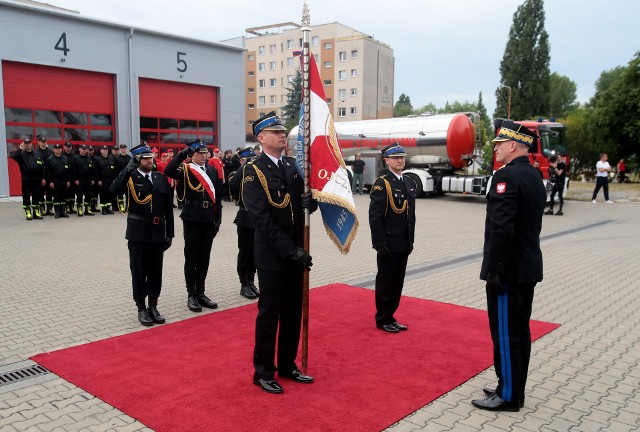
[71, 78]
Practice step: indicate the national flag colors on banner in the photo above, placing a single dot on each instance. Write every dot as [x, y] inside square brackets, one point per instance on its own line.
[328, 180]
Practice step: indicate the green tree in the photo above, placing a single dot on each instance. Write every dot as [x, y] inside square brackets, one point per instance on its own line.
[562, 98]
[486, 129]
[525, 65]
[403, 106]
[291, 111]
[428, 108]
[583, 153]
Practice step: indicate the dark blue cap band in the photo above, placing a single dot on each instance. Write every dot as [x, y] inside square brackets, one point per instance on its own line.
[396, 150]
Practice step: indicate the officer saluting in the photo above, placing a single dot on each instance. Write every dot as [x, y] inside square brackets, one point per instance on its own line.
[149, 229]
[245, 227]
[512, 263]
[272, 190]
[33, 178]
[392, 219]
[201, 217]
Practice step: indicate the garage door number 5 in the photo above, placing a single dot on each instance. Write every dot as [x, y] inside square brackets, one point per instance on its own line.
[182, 64]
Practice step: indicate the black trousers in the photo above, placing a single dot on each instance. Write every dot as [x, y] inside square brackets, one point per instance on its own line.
[601, 182]
[106, 197]
[198, 239]
[557, 188]
[509, 316]
[31, 192]
[59, 191]
[83, 190]
[389, 283]
[145, 261]
[246, 264]
[70, 194]
[279, 317]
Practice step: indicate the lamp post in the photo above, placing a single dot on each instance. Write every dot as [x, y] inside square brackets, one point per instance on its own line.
[509, 102]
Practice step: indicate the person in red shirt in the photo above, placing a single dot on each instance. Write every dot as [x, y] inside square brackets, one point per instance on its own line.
[216, 162]
[162, 163]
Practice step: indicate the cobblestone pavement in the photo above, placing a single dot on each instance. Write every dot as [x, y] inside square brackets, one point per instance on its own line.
[67, 282]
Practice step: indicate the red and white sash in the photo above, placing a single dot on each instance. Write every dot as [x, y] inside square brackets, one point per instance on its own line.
[204, 180]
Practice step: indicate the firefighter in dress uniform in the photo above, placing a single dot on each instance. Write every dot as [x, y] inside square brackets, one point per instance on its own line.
[83, 176]
[392, 219]
[33, 178]
[272, 191]
[512, 263]
[70, 194]
[150, 229]
[201, 218]
[106, 174]
[46, 199]
[245, 227]
[58, 180]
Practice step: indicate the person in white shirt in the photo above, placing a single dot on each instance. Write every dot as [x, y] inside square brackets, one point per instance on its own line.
[602, 179]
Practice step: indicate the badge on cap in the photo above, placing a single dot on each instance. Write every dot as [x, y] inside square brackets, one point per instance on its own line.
[501, 188]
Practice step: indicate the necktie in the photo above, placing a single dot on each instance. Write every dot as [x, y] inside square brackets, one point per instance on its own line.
[148, 177]
[282, 173]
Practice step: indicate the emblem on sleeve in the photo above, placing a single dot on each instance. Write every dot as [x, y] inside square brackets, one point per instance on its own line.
[501, 188]
[248, 178]
[377, 187]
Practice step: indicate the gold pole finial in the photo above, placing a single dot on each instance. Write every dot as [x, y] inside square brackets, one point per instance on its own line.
[306, 19]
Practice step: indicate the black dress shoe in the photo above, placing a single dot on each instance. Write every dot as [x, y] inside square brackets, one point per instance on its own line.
[144, 318]
[206, 302]
[270, 386]
[400, 326]
[246, 292]
[389, 328]
[491, 391]
[297, 376]
[155, 315]
[193, 305]
[495, 403]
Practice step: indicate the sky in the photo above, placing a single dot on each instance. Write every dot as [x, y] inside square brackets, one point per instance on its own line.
[445, 50]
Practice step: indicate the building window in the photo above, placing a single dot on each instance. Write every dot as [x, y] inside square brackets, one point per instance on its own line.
[261, 50]
[251, 57]
[289, 43]
[252, 90]
[342, 75]
[261, 100]
[289, 61]
[272, 99]
[342, 112]
[316, 58]
[300, 42]
[261, 83]
[166, 132]
[342, 93]
[353, 110]
[272, 49]
[327, 64]
[354, 92]
[342, 55]
[328, 100]
[315, 40]
[272, 66]
[261, 67]
[272, 82]
[251, 73]
[290, 78]
[354, 53]
[327, 45]
[354, 73]
[327, 82]
[251, 106]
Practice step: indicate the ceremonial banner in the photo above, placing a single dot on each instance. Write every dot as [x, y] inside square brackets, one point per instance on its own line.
[329, 181]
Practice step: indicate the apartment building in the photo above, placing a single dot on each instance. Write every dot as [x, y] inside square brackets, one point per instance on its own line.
[357, 70]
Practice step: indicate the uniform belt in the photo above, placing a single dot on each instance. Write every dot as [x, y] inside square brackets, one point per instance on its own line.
[155, 220]
[199, 203]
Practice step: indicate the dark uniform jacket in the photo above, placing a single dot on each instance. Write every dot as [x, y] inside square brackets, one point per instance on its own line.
[82, 168]
[57, 170]
[273, 201]
[242, 219]
[31, 164]
[105, 168]
[392, 213]
[44, 154]
[150, 207]
[121, 162]
[515, 204]
[197, 205]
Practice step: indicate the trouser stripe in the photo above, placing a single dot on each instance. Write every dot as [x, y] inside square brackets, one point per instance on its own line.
[505, 354]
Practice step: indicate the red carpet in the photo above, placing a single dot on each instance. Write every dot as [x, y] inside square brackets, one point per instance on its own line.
[196, 374]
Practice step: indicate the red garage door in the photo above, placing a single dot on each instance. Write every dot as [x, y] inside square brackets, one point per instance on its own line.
[173, 113]
[57, 103]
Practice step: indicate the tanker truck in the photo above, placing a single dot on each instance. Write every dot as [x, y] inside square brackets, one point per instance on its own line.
[439, 147]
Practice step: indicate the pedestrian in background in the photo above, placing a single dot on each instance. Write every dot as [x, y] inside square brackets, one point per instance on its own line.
[358, 174]
[557, 176]
[602, 178]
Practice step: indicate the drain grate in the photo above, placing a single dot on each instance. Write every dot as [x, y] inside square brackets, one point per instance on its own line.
[22, 374]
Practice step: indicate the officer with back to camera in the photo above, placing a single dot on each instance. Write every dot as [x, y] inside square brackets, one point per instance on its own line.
[58, 180]
[272, 191]
[150, 229]
[201, 218]
[512, 263]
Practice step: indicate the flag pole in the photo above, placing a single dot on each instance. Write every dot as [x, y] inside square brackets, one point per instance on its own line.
[306, 30]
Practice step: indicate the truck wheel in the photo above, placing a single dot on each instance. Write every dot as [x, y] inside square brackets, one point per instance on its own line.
[416, 179]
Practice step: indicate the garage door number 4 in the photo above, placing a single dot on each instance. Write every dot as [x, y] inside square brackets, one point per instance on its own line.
[61, 45]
